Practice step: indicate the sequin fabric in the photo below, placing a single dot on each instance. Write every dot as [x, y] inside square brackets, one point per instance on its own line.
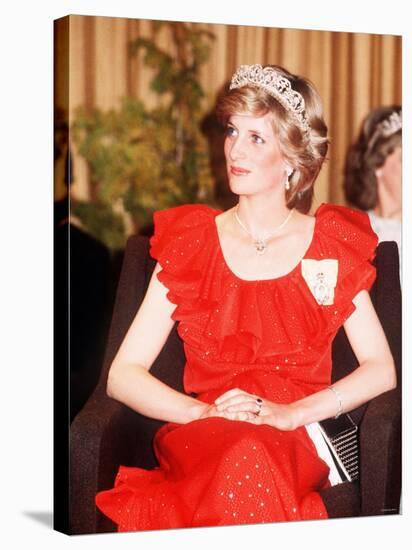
[268, 337]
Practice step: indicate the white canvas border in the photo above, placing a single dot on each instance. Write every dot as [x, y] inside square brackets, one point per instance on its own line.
[26, 281]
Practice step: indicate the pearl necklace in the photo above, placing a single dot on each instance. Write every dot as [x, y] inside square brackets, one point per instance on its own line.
[261, 243]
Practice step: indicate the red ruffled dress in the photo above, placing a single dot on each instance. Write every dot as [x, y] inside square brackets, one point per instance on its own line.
[268, 337]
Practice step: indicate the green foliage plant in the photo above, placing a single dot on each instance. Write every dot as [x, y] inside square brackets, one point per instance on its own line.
[142, 159]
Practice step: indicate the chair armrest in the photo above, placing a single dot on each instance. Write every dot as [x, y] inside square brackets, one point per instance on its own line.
[99, 441]
[380, 455]
[105, 435]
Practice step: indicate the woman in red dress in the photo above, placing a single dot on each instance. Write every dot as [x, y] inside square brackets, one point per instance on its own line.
[259, 292]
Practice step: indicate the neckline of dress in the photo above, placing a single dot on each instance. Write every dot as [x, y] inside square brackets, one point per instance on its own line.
[272, 279]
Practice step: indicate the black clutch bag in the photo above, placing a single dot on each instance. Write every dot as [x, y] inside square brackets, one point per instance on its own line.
[341, 436]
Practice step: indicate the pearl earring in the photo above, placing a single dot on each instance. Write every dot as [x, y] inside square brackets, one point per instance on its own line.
[289, 172]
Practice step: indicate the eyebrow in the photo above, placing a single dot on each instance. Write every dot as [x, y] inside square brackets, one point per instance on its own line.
[250, 131]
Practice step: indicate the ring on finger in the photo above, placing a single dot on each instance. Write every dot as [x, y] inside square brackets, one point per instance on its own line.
[259, 403]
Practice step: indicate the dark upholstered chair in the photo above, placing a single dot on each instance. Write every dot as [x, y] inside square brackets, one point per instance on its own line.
[106, 433]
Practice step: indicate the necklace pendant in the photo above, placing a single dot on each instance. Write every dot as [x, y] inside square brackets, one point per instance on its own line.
[259, 243]
[260, 246]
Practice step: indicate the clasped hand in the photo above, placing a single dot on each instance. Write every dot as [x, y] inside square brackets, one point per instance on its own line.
[237, 404]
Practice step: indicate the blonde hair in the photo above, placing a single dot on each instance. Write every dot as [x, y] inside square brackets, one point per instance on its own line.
[303, 151]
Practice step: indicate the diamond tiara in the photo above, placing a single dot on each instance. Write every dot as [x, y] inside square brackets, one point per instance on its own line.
[391, 124]
[386, 128]
[277, 85]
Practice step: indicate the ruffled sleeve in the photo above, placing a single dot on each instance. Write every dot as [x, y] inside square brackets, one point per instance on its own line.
[346, 234]
[179, 243]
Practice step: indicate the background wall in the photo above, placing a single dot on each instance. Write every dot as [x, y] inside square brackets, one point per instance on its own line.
[353, 73]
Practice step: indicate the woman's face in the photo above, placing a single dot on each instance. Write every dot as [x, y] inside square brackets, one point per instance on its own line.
[390, 174]
[254, 162]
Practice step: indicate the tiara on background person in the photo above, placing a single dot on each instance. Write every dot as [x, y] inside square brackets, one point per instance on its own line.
[277, 85]
[391, 124]
[386, 128]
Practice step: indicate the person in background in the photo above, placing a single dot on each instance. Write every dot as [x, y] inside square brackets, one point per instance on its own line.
[82, 268]
[373, 172]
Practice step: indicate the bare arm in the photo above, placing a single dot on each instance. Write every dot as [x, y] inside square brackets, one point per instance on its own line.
[375, 375]
[129, 380]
